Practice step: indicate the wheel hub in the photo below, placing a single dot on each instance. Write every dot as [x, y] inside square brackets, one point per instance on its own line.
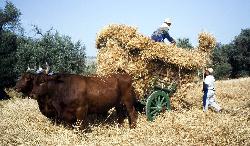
[159, 107]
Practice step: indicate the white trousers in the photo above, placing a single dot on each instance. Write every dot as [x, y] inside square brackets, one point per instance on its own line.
[210, 101]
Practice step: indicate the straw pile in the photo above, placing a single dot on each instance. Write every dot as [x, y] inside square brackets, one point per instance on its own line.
[122, 49]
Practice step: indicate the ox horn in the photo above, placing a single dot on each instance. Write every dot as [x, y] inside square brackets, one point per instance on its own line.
[40, 70]
[28, 69]
[47, 68]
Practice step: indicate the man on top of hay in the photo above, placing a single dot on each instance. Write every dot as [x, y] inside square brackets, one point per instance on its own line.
[209, 91]
[162, 32]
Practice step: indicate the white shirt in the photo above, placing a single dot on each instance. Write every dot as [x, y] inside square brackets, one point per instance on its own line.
[209, 80]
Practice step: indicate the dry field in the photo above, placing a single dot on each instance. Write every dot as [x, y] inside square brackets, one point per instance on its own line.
[23, 124]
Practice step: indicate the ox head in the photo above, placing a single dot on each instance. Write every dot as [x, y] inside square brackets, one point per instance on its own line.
[40, 84]
[25, 83]
[30, 80]
[39, 90]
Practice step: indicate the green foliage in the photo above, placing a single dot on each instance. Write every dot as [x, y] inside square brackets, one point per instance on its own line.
[18, 52]
[221, 66]
[239, 54]
[90, 65]
[233, 59]
[9, 17]
[90, 69]
[184, 43]
[8, 46]
[222, 71]
[60, 52]
[9, 21]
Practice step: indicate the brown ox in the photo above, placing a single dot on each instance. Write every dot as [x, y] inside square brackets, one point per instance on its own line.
[28, 80]
[70, 98]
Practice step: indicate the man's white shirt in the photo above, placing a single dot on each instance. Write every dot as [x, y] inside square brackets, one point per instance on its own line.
[209, 80]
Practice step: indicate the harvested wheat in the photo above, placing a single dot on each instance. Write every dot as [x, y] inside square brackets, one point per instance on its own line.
[122, 49]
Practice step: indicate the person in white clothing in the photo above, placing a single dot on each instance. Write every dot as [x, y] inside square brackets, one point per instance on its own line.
[209, 91]
[162, 32]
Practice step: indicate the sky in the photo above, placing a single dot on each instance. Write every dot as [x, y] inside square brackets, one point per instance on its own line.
[83, 19]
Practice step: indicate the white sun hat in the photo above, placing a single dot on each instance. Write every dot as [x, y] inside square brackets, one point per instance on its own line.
[167, 20]
[210, 70]
[164, 25]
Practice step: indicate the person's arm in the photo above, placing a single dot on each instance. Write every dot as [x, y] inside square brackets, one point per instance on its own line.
[206, 84]
[167, 36]
[205, 87]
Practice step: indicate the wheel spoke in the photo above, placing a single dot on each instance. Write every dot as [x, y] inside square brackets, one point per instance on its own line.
[158, 99]
[154, 102]
[153, 107]
[154, 116]
[162, 100]
[153, 112]
[164, 104]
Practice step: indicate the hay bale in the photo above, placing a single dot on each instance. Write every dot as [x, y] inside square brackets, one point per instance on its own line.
[122, 49]
[121, 33]
[206, 42]
[111, 58]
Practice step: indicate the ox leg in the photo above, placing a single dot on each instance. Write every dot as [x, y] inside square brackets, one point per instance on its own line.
[65, 113]
[81, 114]
[56, 112]
[68, 116]
[121, 113]
[132, 114]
